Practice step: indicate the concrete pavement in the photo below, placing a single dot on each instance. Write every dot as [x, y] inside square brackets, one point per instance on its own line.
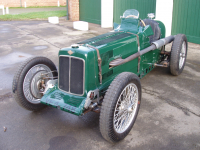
[169, 116]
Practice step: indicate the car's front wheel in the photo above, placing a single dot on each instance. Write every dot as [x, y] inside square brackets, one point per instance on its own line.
[29, 82]
[120, 107]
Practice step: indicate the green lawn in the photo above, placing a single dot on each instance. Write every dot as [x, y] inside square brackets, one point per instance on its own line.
[33, 15]
[34, 7]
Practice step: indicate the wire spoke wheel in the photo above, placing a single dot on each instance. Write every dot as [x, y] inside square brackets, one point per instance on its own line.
[178, 54]
[126, 108]
[182, 55]
[120, 107]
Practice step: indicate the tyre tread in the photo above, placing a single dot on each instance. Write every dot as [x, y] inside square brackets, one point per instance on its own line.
[17, 89]
[175, 51]
[107, 105]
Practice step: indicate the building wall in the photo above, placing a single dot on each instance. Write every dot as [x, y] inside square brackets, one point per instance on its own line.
[143, 6]
[164, 9]
[73, 10]
[19, 3]
[186, 19]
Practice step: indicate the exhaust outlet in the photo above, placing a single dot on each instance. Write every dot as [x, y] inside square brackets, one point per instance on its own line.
[164, 41]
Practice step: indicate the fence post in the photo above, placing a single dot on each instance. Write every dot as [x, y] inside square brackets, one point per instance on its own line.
[7, 10]
[2, 7]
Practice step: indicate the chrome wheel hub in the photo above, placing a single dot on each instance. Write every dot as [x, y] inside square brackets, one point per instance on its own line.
[37, 84]
[126, 107]
[33, 85]
[130, 110]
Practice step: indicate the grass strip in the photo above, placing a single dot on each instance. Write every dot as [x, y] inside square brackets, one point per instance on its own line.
[35, 7]
[33, 15]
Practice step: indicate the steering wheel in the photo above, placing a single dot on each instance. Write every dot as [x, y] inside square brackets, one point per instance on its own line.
[143, 23]
[136, 18]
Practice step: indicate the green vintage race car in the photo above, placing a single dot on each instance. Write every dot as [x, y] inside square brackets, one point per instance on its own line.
[102, 74]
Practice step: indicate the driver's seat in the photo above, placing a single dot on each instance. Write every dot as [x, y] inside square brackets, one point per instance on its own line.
[156, 29]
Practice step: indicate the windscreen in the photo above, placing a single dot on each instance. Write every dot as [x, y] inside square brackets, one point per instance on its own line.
[131, 13]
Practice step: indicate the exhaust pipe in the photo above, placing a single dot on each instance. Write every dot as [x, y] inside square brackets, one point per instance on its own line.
[155, 45]
[164, 41]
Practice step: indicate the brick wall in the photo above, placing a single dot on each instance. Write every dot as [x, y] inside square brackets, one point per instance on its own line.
[73, 10]
[16, 3]
[73, 7]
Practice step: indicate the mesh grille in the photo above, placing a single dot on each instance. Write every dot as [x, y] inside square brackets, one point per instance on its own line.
[76, 77]
[73, 69]
[64, 73]
[111, 39]
[97, 37]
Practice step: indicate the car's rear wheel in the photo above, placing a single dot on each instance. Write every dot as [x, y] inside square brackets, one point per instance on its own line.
[178, 54]
[29, 82]
[120, 107]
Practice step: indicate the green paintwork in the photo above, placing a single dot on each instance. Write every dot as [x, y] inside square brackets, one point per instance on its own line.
[67, 102]
[143, 6]
[186, 19]
[90, 11]
[122, 47]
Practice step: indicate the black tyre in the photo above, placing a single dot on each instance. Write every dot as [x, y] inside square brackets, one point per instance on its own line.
[178, 54]
[27, 80]
[120, 107]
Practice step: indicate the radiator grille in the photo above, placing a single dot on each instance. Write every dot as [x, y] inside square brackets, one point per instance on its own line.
[76, 82]
[71, 75]
[111, 39]
[97, 37]
[64, 73]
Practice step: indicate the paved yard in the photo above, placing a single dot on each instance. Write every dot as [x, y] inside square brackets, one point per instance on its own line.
[169, 117]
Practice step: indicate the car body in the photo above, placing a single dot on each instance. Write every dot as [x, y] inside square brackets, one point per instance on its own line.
[93, 73]
[120, 43]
